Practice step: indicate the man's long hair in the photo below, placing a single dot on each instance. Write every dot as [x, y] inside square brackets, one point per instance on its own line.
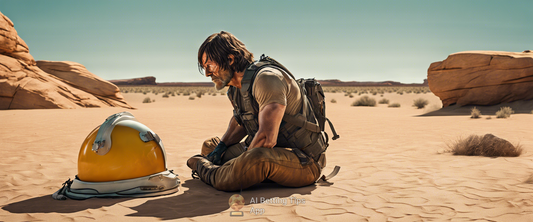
[219, 46]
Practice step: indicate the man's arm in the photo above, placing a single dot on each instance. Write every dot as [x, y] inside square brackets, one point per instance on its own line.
[234, 133]
[269, 121]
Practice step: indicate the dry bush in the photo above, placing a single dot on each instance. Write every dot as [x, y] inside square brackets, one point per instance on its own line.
[394, 105]
[475, 113]
[487, 145]
[333, 101]
[147, 100]
[384, 101]
[191, 97]
[504, 112]
[420, 103]
[364, 101]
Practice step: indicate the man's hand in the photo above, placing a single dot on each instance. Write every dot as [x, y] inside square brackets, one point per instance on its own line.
[216, 156]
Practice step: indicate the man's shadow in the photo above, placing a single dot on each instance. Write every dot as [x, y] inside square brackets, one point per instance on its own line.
[199, 200]
[202, 199]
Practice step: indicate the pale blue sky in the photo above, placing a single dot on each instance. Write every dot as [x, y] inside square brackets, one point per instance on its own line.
[348, 40]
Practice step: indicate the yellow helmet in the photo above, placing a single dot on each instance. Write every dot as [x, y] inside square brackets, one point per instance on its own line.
[119, 149]
[121, 157]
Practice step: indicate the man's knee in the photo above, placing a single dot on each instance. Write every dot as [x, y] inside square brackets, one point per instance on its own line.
[209, 145]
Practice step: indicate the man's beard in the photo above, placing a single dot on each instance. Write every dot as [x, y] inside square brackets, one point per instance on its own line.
[221, 83]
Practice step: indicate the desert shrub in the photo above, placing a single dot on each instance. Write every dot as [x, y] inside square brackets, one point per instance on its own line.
[144, 93]
[394, 105]
[147, 100]
[165, 95]
[192, 97]
[173, 93]
[420, 103]
[504, 112]
[475, 113]
[384, 101]
[401, 93]
[333, 101]
[487, 145]
[364, 101]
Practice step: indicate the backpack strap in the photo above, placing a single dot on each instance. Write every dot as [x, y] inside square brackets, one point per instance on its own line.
[335, 135]
[301, 121]
[276, 64]
[246, 82]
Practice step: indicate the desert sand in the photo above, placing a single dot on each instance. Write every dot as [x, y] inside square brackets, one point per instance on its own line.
[393, 166]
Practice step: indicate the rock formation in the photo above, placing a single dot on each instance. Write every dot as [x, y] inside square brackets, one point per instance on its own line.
[482, 78]
[149, 80]
[27, 84]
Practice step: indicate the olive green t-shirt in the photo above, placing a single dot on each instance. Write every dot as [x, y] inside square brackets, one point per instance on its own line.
[274, 86]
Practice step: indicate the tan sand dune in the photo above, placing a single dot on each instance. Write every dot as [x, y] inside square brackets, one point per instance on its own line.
[393, 166]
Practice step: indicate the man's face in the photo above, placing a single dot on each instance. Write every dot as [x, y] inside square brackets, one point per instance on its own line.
[219, 76]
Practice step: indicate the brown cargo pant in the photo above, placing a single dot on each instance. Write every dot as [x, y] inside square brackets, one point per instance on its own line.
[242, 169]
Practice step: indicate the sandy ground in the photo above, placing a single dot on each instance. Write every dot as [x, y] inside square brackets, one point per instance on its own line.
[393, 167]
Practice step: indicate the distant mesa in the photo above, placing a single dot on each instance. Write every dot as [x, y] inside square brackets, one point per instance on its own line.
[336, 82]
[29, 84]
[331, 82]
[149, 80]
[482, 78]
